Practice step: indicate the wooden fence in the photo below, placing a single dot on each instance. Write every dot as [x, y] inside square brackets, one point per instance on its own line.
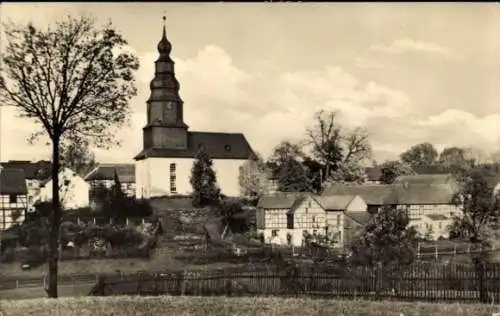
[424, 282]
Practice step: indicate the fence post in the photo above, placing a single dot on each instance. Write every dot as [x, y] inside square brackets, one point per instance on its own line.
[229, 287]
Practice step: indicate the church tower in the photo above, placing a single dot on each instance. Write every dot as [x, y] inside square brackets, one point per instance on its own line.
[165, 127]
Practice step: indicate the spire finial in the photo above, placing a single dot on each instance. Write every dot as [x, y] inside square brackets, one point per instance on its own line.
[164, 18]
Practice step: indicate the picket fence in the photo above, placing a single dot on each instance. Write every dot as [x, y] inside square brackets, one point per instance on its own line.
[424, 282]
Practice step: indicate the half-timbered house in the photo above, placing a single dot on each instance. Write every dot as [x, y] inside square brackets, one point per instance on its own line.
[13, 197]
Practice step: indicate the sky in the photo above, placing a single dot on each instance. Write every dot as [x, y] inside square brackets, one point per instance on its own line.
[408, 73]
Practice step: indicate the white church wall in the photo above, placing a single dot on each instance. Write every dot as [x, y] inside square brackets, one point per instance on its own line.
[153, 176]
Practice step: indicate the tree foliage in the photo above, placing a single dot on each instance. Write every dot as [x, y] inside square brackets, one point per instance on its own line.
[420, 155]
[204, 181]
[480, 208]
[339, 149]
[287, 168]
[253, 178]
[386, 239]
[292, 177]
[78, 157]
[75, 81]
[456, 159]
[392, 169]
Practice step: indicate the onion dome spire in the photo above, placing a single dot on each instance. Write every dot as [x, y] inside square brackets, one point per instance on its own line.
[164, 46]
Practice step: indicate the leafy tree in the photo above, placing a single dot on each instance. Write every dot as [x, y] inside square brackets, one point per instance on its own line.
[78, 157]
[286, 166]
[253, 178]
[480, 208]
[386, 239]
[340, 150]
[204, 181]
[349, 172]
[285, 150]
[424, 154]
[456, 159]
[314, 172]
[292, 177]
[392, 169]
[75, 81]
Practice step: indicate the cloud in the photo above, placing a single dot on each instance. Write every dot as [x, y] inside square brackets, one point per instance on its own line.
[409, 45]
[362, 62]
[271, 106]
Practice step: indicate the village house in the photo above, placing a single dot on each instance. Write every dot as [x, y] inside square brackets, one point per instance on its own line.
[106, 175]
[340, 211]
[287, 218]
[428, 201]
[36, 173]
[13, 197]
[163, 167]
[74, 191]
[374, 195]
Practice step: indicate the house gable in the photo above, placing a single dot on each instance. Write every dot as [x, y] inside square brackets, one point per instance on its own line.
[357, 204]
[309, 214]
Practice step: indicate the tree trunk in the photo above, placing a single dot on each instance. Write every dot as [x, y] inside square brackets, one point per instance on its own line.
[55, 221]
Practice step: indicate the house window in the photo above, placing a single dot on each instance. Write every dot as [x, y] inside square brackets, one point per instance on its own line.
[12, 198]
[314, 219]
[173, 178]
[274, 233]
[338, 220]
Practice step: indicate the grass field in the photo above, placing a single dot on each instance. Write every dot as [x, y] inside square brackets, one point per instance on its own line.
[233, 306]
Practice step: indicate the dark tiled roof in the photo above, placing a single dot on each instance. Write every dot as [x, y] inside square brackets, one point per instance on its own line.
[335, 202]
[359, 217]
[39, 170]
[421, 194]
[126, 172]
[437, 217]
[218, 145]
[430, 179]
[372, 194]
[281, 200]
[373, 173]
[12, 181]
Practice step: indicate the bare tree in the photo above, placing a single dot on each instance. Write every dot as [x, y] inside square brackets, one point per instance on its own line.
[339, 149]
[74, 81]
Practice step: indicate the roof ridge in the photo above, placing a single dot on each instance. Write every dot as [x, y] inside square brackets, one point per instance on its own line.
[224, 133]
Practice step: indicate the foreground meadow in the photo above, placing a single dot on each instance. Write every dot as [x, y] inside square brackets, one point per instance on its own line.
[171, 305]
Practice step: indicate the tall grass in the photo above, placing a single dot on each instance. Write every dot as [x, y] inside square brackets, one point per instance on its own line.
[168, 305]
